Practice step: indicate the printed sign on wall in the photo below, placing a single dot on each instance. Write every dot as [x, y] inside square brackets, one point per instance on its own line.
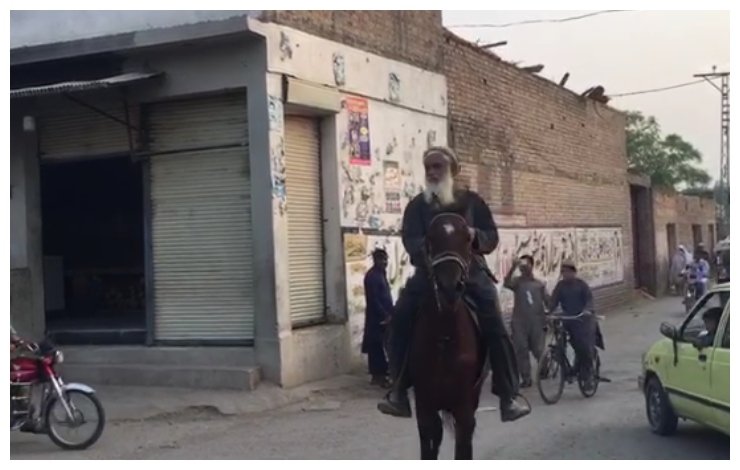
[359, 131]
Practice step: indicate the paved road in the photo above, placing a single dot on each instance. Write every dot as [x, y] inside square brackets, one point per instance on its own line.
[345, 424]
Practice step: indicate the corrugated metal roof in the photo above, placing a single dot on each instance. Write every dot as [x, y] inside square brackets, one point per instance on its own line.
[67, 87]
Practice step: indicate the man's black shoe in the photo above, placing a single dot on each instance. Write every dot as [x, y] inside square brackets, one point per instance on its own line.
[526, 383]
[396, 403]
[511, 410]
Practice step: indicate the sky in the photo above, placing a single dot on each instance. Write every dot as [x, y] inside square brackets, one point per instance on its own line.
[624, 52]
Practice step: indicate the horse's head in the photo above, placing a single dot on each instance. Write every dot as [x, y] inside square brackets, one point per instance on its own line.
[449, 247]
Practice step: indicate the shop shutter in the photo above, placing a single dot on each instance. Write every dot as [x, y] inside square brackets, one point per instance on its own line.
[68, 130]
[201, 220]
[305, 233]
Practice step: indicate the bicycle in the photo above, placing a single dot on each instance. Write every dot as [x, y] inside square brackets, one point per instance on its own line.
[554, 363]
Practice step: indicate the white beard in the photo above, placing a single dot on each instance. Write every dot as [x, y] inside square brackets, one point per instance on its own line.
[443, 191]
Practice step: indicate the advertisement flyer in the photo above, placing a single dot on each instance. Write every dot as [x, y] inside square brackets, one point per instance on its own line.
[358, 131]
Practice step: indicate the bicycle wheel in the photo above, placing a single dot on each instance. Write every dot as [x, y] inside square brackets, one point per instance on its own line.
[550, 376]
[588, 387]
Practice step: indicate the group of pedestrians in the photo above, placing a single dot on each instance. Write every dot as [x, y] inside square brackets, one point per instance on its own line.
[528, 321]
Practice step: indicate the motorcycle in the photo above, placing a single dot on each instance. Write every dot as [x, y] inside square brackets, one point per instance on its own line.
[41, 403]
[689, 291]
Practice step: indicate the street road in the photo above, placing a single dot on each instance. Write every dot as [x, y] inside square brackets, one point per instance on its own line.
[346, 425]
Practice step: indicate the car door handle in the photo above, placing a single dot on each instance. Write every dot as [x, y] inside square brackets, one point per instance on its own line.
[703, 357]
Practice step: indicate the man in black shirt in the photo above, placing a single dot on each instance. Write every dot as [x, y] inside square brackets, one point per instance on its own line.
[441, 165]
[574, 297]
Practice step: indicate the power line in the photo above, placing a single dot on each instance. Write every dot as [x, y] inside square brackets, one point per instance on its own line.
[554, 20]
[655, 90]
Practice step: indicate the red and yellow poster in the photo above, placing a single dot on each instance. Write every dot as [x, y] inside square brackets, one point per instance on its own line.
[359, 131]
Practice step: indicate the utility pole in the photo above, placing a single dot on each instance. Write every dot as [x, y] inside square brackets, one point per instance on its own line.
[723, 189]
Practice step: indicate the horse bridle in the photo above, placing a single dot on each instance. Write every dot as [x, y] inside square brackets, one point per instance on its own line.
[446, 256]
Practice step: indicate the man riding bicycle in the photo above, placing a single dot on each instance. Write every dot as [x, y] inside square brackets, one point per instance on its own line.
[574, 296]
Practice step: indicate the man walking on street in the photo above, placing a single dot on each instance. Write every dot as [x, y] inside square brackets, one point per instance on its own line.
[679, 262]
[528, 318]
[378, 307]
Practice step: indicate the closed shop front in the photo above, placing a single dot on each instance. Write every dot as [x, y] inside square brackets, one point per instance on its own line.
[201, 220]
[305, 225]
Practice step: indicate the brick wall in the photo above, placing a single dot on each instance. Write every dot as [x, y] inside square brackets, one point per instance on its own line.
[408, 36]
[533, 148]
[684, 212]
[530, 147]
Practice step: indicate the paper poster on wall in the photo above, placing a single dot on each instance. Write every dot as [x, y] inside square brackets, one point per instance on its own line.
[392, 187]
[355, 247]
[359, 131]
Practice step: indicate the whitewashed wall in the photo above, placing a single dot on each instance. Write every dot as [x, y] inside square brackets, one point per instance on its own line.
[407, 112]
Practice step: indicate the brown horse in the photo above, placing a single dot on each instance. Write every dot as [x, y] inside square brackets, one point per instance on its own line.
[447, 354]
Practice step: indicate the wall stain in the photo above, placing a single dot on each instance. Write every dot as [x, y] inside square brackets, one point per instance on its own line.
[277, 158]
[275, 113]
[431, 138]
[394, 88]
[339, 69]
[391, 147]
[286, 50]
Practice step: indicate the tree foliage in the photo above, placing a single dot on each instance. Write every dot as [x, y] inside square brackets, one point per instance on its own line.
[669, 160]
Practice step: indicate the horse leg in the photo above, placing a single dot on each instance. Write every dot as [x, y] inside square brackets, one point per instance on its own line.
[430, 433]
[464, 429]
[437, 437]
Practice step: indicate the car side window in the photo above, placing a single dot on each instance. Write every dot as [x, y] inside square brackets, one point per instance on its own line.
[694, 324]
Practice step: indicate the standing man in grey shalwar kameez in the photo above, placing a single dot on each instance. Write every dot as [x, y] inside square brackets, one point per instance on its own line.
[528, 318]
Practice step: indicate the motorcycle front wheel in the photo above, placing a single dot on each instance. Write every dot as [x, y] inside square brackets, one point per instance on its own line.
[86, 427]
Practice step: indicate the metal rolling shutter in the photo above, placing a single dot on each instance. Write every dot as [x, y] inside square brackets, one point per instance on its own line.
[201, 221]
[305, 233]
[70, 130]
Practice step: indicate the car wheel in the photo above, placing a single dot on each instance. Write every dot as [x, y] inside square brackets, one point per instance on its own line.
[663, 421]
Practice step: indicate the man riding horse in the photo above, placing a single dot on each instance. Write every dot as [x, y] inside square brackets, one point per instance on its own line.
[440, 195]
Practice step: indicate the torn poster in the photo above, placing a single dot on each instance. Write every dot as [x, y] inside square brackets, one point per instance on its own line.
[392, 187]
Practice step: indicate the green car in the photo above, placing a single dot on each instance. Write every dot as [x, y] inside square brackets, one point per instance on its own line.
[687, 373]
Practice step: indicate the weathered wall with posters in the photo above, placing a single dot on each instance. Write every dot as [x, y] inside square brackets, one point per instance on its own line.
[598, 253]
[542, 156]
[390, 113]
[682, 212]
[551, 164]
[375, 190]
